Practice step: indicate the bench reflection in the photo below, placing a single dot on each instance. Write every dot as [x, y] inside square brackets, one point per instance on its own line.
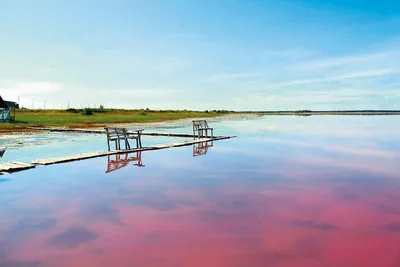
[119, 161]
[201, 148]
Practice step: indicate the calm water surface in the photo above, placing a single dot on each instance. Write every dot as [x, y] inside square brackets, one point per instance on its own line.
[288, 192]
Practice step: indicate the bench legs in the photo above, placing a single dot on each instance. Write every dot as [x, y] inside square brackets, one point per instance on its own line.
[203, 133]
[127, 145]
[139, 141]
[117, 145]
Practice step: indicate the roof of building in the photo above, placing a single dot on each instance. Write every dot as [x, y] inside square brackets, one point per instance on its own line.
[11, 104]
[3, 104]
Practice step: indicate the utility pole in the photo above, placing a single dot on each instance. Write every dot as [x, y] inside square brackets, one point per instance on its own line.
[33, 102]
[68, 104]
[44, 106]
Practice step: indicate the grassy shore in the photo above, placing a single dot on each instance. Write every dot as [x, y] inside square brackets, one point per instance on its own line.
[76, 118]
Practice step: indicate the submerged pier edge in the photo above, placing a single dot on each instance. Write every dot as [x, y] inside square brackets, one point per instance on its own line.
[18, 166]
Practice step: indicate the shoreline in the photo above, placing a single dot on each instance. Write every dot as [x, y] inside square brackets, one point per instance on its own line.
[310, 113]
[22, 128]
[32, 129]
[29, 120]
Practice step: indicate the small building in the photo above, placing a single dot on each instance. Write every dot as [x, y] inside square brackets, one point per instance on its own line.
[11, 105]
[7, 110]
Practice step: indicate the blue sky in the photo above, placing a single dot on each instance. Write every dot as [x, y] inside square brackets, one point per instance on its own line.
[237, 55]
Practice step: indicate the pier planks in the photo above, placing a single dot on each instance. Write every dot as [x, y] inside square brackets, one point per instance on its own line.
[18, 166]
[15, 166]
[103, 132]
[114, 152]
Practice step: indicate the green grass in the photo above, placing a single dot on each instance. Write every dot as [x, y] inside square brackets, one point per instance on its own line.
[75, 118]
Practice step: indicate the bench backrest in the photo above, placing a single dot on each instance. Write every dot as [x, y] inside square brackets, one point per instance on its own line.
[200, 124]
[116, 132]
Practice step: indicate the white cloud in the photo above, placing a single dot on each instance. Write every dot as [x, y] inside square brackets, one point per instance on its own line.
[232, 76]
[150, 92]
[344, 76]
[45, 70]
[19, 88]
[288, 54]
[342, 61]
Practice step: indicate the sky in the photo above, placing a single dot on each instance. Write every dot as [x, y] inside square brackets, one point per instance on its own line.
[201, 55]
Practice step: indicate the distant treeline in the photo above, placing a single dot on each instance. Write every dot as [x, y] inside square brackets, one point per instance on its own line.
[101, 109]
[104, 110]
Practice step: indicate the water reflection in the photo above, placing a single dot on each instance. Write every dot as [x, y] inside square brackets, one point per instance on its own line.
[271, 198]
[119, 161]
[201, 148]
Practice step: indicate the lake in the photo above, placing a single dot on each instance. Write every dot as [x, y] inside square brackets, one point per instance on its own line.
[289, 191]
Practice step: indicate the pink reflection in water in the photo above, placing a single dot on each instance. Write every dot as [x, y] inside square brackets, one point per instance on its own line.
[265, 225]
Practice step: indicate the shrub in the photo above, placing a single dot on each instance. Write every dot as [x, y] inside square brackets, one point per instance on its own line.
[99, 110]
[142, 113]
[304, 111]
[87, 111]
[72, 110]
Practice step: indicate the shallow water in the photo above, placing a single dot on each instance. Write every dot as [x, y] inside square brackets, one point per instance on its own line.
[288, 191]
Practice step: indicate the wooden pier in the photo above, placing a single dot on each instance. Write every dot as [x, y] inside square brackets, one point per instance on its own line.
[104, 132]
[16, 166]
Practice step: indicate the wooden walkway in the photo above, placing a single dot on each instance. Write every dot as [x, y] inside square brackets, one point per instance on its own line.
[15, 166]
[104, 132]
[11, 167]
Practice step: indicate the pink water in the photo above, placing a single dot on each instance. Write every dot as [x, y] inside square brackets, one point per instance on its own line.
[260, 200]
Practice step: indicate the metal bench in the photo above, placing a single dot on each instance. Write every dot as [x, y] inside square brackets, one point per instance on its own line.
[121, 134]
[200, 129]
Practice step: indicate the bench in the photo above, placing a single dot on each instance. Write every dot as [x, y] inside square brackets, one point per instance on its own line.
[118, 134]
[200, 129]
